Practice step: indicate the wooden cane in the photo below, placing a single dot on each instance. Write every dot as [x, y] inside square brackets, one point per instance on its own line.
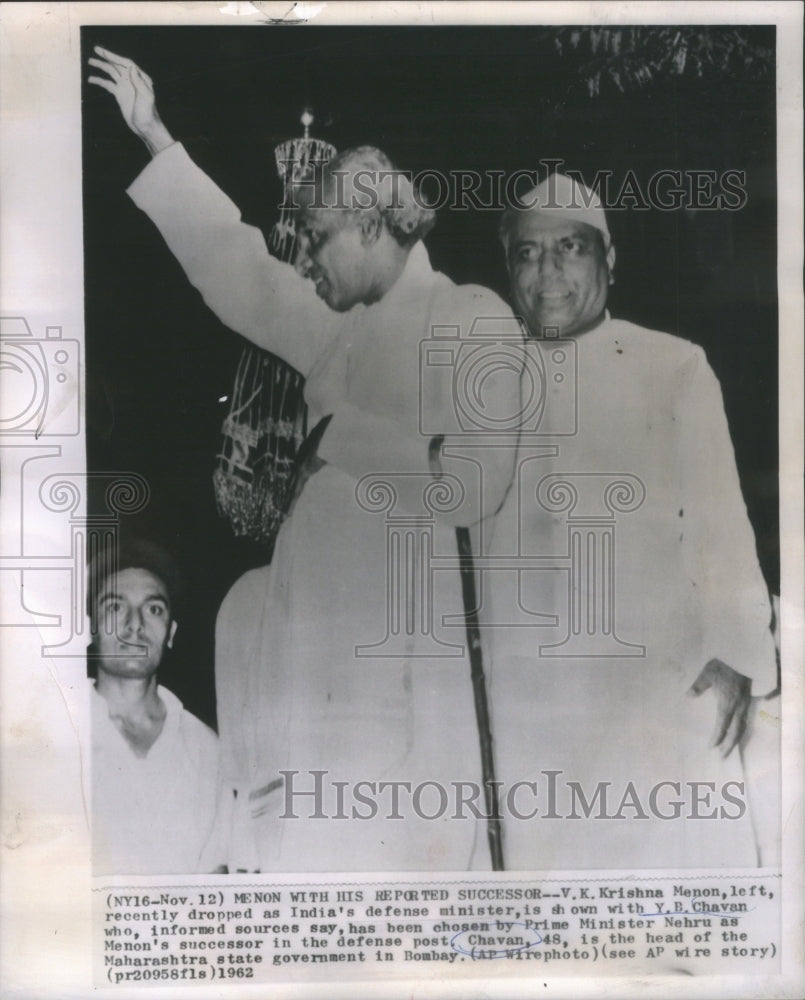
[467, 571]
[473, 629]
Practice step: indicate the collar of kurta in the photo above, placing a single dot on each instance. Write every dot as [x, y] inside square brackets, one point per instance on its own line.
[596, 332]
[605, 321]
[173, 716]
[416, 272]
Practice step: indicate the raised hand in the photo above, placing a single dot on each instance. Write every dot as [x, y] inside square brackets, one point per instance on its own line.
[134, 92]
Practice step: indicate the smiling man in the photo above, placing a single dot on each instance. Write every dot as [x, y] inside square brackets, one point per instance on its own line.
[560, 270]
[155, 767]
[354, 230]
[641, 583]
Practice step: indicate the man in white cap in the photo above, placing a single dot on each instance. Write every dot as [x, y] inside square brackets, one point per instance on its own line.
[636, 579]
[560, 257]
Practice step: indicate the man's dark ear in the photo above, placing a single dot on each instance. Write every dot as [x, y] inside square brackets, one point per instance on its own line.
[371, 225]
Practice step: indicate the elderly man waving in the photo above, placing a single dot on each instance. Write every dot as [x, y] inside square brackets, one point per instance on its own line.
[333, 670]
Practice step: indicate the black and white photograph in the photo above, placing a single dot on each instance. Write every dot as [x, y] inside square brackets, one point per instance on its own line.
[335, 601]
[429, 510]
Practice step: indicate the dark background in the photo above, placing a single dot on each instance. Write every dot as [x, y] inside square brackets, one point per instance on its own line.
[435, 98]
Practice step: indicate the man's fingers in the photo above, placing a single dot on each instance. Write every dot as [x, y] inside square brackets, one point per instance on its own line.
[736, 729]
[107, 67]
[703, 681]
[724, 714]
[101, 82]
[121, 61]
[733, 693]
[145, 77]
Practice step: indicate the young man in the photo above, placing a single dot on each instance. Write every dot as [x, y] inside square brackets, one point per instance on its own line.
[155, 767]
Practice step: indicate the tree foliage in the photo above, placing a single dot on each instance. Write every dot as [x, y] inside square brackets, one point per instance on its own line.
[632, 58]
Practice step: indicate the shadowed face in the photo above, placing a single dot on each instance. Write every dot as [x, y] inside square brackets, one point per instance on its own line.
[133, 623]
[560, 273]
[333, 252]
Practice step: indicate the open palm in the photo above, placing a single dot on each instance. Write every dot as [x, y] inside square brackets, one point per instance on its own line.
[133, 90]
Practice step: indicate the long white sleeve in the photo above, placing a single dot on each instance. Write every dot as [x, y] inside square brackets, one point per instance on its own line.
[250, 291]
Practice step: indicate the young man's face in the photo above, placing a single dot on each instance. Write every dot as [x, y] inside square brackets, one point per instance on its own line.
[133, 624]
[560, 273]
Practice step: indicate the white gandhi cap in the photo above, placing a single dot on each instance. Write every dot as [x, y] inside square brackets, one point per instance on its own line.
[562, 197]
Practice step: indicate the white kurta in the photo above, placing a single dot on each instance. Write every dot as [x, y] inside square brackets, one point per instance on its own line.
[297, 687]
[159, 814]
[672, 553]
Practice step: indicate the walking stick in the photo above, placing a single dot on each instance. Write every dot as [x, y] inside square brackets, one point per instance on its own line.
[467, 570]
[473, 628]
